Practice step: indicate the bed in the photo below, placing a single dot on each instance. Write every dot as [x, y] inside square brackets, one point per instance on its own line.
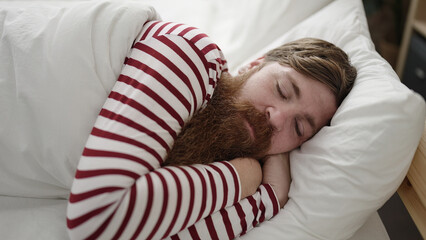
[340, 177]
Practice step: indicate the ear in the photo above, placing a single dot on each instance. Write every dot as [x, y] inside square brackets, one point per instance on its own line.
[251, 65]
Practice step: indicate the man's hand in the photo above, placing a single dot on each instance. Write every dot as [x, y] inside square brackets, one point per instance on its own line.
[250, 174]
[276, 172]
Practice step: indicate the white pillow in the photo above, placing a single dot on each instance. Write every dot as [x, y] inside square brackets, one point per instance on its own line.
[349, 169]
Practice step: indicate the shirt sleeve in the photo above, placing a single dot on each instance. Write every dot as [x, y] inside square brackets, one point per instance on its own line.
[120, 189]
[236, 220]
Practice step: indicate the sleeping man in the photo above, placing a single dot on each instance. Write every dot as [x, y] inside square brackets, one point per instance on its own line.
[175, 150]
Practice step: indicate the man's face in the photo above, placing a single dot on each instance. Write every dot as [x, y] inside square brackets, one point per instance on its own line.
[295, 105]
[269, 111]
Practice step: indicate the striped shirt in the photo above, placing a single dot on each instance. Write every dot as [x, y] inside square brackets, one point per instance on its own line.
[121, 190]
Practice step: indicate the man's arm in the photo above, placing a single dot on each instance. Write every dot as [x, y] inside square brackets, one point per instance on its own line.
[244, 215]
[250, 174]
[276, 172]
[120, 189]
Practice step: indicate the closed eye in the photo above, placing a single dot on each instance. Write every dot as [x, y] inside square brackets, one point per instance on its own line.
[299, 127]
[280, 92]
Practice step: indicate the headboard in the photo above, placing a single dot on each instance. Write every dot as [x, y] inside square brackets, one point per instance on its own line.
[413, 189]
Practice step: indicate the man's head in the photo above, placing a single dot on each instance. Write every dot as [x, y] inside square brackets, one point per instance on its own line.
[298, 86]
[278, 102]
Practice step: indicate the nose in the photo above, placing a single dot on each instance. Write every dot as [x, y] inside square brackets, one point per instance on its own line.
[277, 117]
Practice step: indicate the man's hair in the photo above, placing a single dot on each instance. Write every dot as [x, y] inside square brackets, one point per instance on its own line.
[320, 60]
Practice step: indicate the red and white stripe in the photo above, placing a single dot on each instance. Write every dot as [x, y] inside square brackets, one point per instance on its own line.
[120, 189]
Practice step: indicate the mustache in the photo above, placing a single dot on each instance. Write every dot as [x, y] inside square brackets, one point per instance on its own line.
[259, 123]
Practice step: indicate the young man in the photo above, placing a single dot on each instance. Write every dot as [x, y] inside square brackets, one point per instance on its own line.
[131, 182]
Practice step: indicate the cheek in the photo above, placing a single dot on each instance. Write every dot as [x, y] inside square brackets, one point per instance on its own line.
[255, 90]
[249, 94]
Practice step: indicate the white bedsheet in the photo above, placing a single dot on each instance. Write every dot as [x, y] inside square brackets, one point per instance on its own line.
[35, 218]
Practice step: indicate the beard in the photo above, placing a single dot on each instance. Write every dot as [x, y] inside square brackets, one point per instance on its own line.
[220, 131]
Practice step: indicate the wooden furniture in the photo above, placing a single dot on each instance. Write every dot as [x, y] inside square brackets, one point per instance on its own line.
[413, 190]
[416, 22]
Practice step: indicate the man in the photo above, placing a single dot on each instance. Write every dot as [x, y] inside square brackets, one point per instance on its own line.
[123, 188]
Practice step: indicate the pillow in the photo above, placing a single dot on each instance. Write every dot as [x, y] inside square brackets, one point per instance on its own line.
[352, 167]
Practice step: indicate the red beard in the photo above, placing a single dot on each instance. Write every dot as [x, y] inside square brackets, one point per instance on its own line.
[219, 132]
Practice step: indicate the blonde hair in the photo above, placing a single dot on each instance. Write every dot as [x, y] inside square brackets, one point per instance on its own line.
[320, 60]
